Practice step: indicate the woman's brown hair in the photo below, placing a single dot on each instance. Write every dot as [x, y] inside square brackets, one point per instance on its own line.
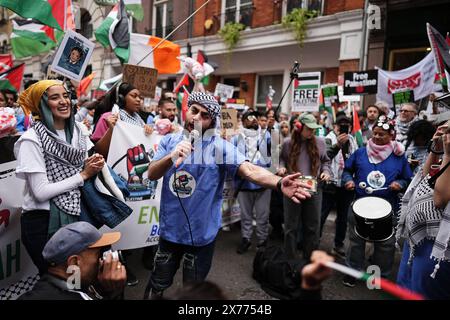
[311, 149]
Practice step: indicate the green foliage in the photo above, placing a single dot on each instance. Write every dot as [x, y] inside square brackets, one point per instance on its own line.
[296, 21]
[231, 33]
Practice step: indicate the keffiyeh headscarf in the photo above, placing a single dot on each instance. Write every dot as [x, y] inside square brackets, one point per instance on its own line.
[208, 101]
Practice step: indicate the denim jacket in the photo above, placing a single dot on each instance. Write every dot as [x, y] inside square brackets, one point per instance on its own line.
[99, 208]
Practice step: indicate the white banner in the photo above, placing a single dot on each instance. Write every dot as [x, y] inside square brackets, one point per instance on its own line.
[419, 78]
[17, 272]
[129, 155]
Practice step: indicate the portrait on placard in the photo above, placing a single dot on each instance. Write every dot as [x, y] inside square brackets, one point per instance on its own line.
[73, 56]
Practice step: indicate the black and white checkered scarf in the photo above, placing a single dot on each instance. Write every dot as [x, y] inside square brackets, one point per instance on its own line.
[62, 161]
[132, 119]
[420, 219]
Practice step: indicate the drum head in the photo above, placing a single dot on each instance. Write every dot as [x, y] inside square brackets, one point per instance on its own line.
[372, 208]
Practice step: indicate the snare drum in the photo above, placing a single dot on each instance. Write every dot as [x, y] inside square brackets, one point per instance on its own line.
[373, 218]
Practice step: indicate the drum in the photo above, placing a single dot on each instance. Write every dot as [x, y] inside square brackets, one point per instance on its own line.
[373, 218]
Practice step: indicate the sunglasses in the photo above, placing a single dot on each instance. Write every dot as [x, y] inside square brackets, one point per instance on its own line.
[203, 114]
[401, 111]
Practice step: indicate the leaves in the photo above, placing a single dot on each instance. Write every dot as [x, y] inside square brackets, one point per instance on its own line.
[231, 34]
[297, 21]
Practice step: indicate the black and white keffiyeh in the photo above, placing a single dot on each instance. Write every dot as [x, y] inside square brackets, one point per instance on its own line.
[206, 100]
[420, 219]
[62, 161]
[132, 119]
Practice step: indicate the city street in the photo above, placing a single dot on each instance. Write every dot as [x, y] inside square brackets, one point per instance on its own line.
[233, 272]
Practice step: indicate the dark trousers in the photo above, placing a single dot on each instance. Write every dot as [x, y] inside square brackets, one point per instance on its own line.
[342, 199]
[34, 227]
[196, 263]
[306, 218]
[276, 216]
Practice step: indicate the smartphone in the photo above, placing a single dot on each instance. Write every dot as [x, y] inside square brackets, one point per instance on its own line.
[344, 128]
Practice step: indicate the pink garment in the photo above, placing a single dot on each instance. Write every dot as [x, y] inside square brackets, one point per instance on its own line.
[101, 127]
[378, 153]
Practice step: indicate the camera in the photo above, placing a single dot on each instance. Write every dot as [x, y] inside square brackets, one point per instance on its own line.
[116, 255]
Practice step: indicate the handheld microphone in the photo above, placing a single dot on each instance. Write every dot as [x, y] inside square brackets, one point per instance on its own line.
[193, 135]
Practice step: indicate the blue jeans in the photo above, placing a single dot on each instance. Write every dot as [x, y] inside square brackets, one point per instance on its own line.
[416, 276]
[342, 198]
[196, 263]
[383, 255]
[34, 227]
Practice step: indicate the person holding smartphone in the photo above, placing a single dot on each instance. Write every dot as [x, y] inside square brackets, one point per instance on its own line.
[340, 145]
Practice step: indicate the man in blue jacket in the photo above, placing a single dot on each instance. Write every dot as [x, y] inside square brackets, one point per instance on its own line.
[194, 171]
[380, 165]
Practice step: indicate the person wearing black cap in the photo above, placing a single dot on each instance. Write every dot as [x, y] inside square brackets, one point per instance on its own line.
[256, 147]
[340, 145]
[74, 255]
[191, 197]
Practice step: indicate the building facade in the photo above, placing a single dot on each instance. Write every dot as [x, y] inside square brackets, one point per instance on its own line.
[341, 38]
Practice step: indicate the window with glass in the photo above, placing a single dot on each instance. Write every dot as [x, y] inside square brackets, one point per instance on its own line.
[237, 11]
[264, 84]
[162, 18]
[290, 5]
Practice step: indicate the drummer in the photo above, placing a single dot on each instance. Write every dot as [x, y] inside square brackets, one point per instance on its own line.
[379, 170]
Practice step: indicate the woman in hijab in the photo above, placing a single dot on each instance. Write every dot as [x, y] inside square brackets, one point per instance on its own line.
[129, 101]
[52, 157]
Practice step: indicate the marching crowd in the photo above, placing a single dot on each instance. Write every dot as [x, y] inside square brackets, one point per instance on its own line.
[401, 160]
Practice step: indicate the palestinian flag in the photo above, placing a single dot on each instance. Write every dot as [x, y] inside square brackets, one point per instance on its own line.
[441, 52]
[54, 13]
[114, 31]
[12, 79]
[202, 58]
[29, 38]
[6, 62]
[357, 128]
[84, 86]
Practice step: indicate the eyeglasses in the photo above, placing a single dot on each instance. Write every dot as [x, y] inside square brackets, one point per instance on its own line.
[203, 114]
[405, 111]
[251, 118]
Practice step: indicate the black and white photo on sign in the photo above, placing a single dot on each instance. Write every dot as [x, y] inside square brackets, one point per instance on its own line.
[73, 56]
[224, 91]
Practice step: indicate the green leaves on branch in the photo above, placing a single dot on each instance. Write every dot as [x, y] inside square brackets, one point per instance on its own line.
[230, 34]
[296, 21]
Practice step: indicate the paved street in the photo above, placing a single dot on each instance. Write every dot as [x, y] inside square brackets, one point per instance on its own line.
[233, 272]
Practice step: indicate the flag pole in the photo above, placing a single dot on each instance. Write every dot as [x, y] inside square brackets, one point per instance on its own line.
[173, 31]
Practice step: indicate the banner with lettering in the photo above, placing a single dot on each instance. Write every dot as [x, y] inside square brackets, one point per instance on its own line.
[17, 272]
[130, 152]
[360, 82]
[419, 78]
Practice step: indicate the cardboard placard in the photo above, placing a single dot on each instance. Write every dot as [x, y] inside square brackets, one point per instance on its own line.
[229, 119]
[144, 79]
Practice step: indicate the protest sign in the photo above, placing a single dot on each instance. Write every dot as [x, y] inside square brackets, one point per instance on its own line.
[229, 119]
[143, 78]
[400, 97]
[17, 272]
[224, 92]
[306, 92]
[73, 56]
[360, 82]
[129, 154]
